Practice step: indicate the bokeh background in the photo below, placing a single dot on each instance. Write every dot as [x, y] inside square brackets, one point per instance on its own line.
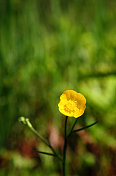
[46, 47]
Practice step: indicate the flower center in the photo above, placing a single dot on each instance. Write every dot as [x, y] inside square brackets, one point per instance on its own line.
[69, 107]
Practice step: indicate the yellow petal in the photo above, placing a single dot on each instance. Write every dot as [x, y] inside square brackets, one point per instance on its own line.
[72, 104]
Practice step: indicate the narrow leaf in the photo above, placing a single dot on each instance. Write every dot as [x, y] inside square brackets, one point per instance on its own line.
[82, 128]
[46, 153]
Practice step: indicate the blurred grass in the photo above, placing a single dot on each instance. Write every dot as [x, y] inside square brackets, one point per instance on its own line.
[47, 47]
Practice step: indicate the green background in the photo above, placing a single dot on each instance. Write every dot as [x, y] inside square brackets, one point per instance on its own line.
[46, 47]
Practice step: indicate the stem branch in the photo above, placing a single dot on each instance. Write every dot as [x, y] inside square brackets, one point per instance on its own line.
[82, 128]
[46, 153]
[73, 126]
[28, 123]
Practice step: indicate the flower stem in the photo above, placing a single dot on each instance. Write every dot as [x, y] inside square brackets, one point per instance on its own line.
[26, 121]
[73, 126]
[65, 148]
[73, 131]
[46, 153]
[46, 142]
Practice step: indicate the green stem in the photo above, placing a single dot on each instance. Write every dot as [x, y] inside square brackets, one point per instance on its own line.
[46, 142]
[46, 153]
[73, 126]
[82, 128]
[65, 148]
[28, 123]
[38, 135]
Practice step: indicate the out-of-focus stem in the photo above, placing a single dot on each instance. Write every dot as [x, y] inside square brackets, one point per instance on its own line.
[29, 125]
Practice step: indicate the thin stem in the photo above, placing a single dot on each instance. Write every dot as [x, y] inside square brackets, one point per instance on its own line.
[82, 128]
[65, 148]
[73, 126]
[28, 123]
[46, 142]
[38, 135]
[46, 153]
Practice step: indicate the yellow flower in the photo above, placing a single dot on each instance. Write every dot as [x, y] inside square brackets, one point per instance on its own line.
[72, 104]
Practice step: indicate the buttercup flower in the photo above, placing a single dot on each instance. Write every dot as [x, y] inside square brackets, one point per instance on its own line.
[72, 104]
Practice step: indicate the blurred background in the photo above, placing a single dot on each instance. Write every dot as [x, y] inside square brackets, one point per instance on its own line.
[46, 47]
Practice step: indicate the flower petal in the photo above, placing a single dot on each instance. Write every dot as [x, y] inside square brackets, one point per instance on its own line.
[72, 104]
